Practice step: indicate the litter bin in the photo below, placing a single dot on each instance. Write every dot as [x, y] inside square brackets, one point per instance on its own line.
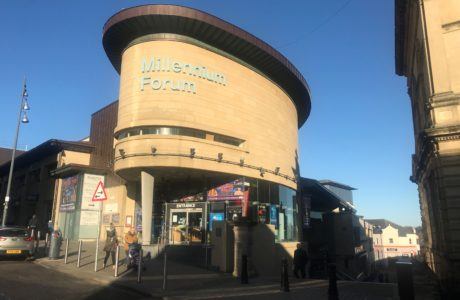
[55, 244]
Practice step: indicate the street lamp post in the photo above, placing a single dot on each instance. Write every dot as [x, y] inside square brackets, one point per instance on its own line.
[22, 118]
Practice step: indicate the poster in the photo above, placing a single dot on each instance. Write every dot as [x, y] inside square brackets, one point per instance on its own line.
[89, 217]
[90, 183]
[306, 207]
[106, 219]
[69, 193]
[129, 221]
[116, 219]
[229, 191]
[274, 215]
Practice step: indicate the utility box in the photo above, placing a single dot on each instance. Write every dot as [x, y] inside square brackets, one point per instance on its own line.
[222, 240]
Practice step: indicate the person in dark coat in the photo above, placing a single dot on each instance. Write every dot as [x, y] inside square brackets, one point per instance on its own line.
[111, 244]
[300, 261]
[33, 226]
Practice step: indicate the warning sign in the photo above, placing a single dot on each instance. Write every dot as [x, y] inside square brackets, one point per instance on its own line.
[100, 194]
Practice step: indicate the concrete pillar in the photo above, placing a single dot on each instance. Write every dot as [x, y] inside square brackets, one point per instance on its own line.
[147, 186]
[241, 231]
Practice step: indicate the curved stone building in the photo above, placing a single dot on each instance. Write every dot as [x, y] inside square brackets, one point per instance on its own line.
[202, 102]
[189, 80]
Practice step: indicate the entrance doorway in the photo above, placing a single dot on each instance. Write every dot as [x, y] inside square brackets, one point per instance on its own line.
[186, 225]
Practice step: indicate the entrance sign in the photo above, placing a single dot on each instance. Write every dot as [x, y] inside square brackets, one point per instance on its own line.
[99, 193]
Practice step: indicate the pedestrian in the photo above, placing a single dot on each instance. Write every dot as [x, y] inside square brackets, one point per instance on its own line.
[130, 238]
[33, 226]
[111, 244]
[300, 261]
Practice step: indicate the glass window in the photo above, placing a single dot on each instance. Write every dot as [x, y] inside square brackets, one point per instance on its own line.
[180, 131]
[287, 214]
[391, 241]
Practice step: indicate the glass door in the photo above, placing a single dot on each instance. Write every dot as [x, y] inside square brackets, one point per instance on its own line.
[178, 227]
[195, 227]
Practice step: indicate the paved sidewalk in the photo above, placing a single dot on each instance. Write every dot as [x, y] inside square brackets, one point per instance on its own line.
[189, 281]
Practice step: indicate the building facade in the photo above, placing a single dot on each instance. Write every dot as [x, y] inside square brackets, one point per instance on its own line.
[428, 54]
[392, 240]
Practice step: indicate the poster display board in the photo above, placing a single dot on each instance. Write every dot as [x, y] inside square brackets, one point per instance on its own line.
[69, 191]
[90, 183]
[89, 217]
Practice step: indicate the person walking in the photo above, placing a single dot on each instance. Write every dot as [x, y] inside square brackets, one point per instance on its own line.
[33, 226]
[111, 244]
[300, 261]
[130, 238]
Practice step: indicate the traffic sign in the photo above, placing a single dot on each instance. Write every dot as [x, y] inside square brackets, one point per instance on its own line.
[99, 193]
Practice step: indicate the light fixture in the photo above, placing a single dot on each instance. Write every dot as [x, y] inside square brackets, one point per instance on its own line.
[192, 152]
[262, 172]
[154, 150]
[25, 119]
[122, 153]
[241, 162]
[220, 156]
[25, 94]
[277, 170]
[26, 105]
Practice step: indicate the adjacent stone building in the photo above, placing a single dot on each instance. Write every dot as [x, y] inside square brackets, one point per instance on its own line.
[427, 34]
[392, 240]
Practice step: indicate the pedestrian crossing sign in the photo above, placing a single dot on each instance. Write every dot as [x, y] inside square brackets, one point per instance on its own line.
[99, 193]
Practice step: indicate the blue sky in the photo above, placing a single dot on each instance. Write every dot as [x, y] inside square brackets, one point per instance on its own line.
[360, 129]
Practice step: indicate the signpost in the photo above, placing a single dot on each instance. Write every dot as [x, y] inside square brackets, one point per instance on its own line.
[99, 195]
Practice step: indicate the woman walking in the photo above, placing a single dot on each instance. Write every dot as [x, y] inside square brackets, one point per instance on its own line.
[111, 244]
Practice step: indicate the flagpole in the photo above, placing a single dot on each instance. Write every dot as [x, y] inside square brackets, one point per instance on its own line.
[22, 108]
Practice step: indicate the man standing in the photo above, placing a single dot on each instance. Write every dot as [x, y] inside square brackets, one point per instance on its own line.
[300, 261]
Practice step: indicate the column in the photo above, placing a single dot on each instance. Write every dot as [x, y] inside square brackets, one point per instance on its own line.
[242, 245]
[147, 186]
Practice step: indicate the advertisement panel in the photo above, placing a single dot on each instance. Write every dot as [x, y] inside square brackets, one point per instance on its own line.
[69, 191]
[229, 191]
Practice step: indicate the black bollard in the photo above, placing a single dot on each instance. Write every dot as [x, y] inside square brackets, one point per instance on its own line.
[139, 267]
[284, 275]
[244, 269]
[333, 293]
[405, 280]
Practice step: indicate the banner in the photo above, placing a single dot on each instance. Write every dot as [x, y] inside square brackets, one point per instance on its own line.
[229, 191]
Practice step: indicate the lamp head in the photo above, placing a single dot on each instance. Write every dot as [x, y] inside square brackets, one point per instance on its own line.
[26, 105]
[25, 119]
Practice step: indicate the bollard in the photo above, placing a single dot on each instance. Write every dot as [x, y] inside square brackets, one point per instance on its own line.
[96, 254]
[165, 267]
[47, 239]
[284, 275]
[80, 242]
[66, 253]
[405, 280]
[333, 293]
[139, 266]
[244, 269]
[117, 254]
[37, 242]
